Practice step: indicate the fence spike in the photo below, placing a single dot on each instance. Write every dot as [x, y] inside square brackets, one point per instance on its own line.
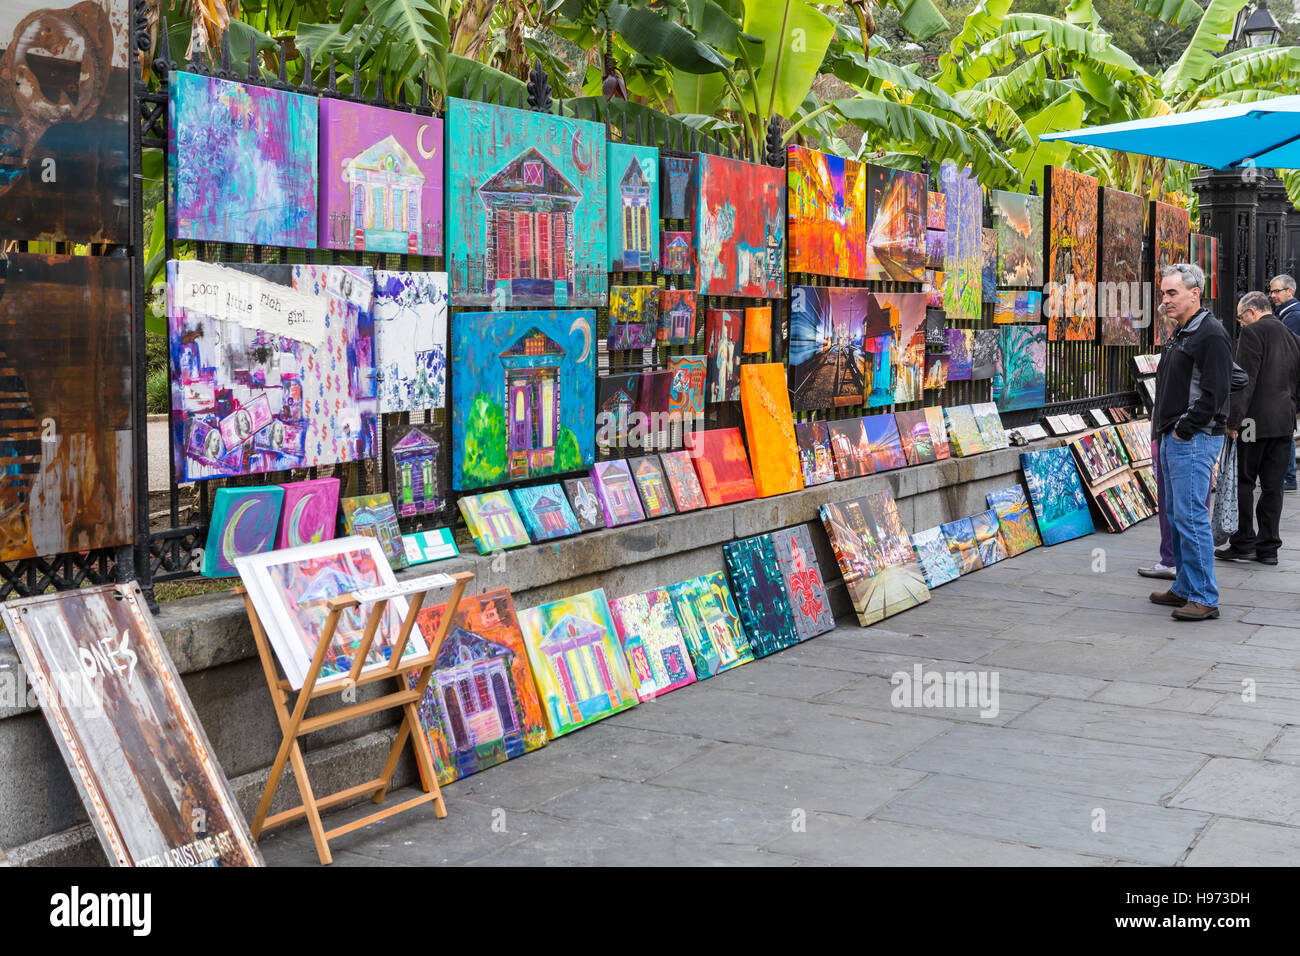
[424, 93]
[308, 82]
[226, 73]
[331, 84]
[164, 64]
[775, 155]
[379, 89]
[282, 80]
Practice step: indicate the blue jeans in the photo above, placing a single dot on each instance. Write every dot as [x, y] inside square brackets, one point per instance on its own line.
[1290, 466]
[1185, 468]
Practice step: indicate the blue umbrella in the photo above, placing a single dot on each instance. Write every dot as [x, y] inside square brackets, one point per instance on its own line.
[1265, 133]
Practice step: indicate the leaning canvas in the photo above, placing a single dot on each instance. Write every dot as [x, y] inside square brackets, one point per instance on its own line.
[711, 625]
[759, 592]
[769, 425]
[126, 729]
[874, 552]
[411, 340]
[375, 517]
[493, 521]
[805, 588]
[653, 642]
[243, 522]
[1057, 494]
[580, 667]
[722, 465]
[1015, 520]
[936, 560]
[545, 512]
[310, 512]
[616, 490]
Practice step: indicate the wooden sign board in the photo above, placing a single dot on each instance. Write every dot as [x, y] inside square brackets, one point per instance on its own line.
[127, 731]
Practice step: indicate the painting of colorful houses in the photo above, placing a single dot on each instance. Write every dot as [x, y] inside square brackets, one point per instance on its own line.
[632, 201]
[526, 215]
[380, 179]
[524, 387]
[546, 512]
[707, 614]
[579, 665]
[414, 467]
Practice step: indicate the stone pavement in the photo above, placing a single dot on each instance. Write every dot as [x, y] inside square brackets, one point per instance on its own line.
[1122, 738]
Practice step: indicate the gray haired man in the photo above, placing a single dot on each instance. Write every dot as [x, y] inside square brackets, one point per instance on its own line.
[1281, 292]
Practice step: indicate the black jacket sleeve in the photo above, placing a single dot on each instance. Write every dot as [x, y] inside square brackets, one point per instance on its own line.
[1250, 355]
[1213, 358]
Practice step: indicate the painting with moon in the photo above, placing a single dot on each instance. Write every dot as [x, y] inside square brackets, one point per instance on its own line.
[525, 208]
[380, 179]
[243, 523]
[523, 395]
[310, 512]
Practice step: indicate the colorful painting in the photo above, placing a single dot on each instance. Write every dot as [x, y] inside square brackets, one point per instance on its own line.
[524, 395]
[827, 205]
[905, 313]
[678, 189]
[802, 576]
[1020, 375]
[874, 552]
[677, 257]
[759, 593]
[617, 397]
[960, 346]
[1017, 305]
[989, 265]
[815, 460]
[1072, 255]
[686, 391]
[1170, 238]
[142, 765]
[683, 481]
[67, 457]
[410, 339]
[545, 511]
[310, 512]
[1119, 298]
[936, 246]
[656, 649]
[1018, 221]
[937, 564]
[964, 259]
[264, 189]
[633, 317]
[758, 329]
[373, 516]
[289, 589]
[617, 493]
[709, 621]
[989, 422]
[988, 538]
[1203, 251]
[381, 180]
[580, 667]
[273, 367]
[585, 503]
[243, 522]
[960, 535]
[632, 205]
[896, 219]
[525, 208]
[481, 706]
[826, 346]
[741, 228]
[656, 496]
[914, 436]
[936, 371]
[722, 465]
[1057, 495]
[850, 450]
[984, 354]
[64, 120]
[415, 469]
[881, 432]
[936, 210]
[938, 431]
[722, 340]
[933, 289]
[769, 425]
[963, 431]
[676, 317]
[1015, 520]
[493, 521]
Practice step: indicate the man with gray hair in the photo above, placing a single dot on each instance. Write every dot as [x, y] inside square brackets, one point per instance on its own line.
[1281, 291]
[1193, 383]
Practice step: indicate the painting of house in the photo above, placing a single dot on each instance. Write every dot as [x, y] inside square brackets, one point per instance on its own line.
[617, 493]
[676, 317]
[633, 317]
[579, 665]
[650, 481]
[616, 398]
[653, 642]
[677, 252]
[711, 625]
[545, 511]
[633, 204]
[493, 521]
[372, 516]
[523, 395]
[526, 207]
[414, 464]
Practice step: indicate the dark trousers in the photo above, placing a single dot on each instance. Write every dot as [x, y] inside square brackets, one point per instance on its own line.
[1263, 459]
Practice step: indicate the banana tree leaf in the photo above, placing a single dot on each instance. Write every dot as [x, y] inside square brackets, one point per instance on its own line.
[982, 24]
[1251, 69]
[698, 92]
[1100, 52]
[178, 41]
[919, 19]
[997, 117]
[1198, 59]
[796, 36]
[1065, 113]
[1176, 13]
[648, 33]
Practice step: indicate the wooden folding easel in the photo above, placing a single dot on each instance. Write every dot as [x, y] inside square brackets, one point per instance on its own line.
[291, 711]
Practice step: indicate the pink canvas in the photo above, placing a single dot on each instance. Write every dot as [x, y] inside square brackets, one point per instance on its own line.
[309, 513]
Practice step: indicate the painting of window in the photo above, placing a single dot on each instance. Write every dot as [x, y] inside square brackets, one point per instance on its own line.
[678, 253]
[633, 204]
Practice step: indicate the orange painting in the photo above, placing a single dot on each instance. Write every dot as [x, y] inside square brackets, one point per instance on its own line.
[758, 328]
[722, 465]
[765, 403]
[1072, 255]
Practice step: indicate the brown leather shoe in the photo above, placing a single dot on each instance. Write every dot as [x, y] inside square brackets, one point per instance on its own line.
[1191, 611]
[1167, 598]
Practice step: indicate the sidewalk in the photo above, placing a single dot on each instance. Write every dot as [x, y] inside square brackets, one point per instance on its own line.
[1122, 738]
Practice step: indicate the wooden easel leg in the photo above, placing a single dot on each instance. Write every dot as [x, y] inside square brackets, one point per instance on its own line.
[309, 805]
[288, 748]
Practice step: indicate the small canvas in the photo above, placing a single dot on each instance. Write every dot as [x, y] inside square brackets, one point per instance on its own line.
[711, 625]
[415, 469]
[740, 221]
[1056, 492]
[827, 198]
[655, 396]
[579, 665]
[424, 546]
[243, 522]
[960, 535]
[914, 433]
[410, 340]
[632, 207]
[938, 431]
[936, 211]
[653, 642]
[633, 317]
[616, 399]
[936, 242]
[936, 371]
[959, 344]
[678, 186]
[585, 503]
[722, 465]
[676, 317]
[686, 391]
[989, 422]
[850, 450]
[760, 595]
[310, 512]
[886, 444]
[373, 516]
[937, 563]
[758, 329]
[545, 511]
[988, 537]
[805, 588]
[677, 254]
[964, 436]
[651, 484]
[493, 521]
[984, 354]
[769, 425]
[685, 484]
[874, 552]
[481, 707]
[722, 341]
[815, 459]
[617, 492]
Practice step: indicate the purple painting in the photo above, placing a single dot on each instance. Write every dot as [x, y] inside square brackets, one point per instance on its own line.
[380, 179]
[309, 514]
[617, 493]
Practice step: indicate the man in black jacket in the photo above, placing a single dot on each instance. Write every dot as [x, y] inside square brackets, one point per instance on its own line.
[1263, 414]
[1190, 413]
[1281, 292]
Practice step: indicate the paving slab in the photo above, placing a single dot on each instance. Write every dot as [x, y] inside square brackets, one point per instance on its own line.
[1273, 617]
[918, 647]
[844, 656]
[1109, 660]
[1036, 683]
[1158, 696]
[607, 749]
[1249, 789]
[1229, 842]
[871, 694]
[776, 677]
[1266, 681]
[1270, 636]
[1273, 710]
[1286, 749]
[1225, 652]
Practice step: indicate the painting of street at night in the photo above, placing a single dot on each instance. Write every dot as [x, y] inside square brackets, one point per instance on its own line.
[896, 215]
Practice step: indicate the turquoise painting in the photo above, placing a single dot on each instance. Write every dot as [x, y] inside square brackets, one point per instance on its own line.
[525, 208]
[632, 203]
[523, 395]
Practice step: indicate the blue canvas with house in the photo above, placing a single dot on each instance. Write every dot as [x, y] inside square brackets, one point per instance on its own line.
[632, 204]
[545, 511]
